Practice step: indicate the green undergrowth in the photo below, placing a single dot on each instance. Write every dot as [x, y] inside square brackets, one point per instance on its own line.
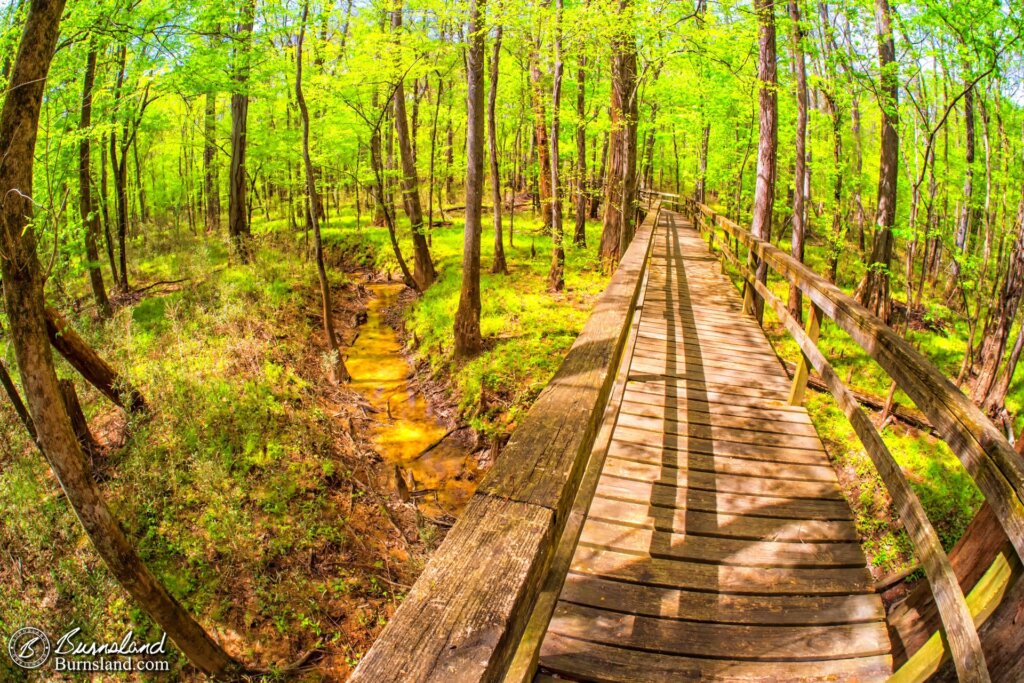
[234, 489]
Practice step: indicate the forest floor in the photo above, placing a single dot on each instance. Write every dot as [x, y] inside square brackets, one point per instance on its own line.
[256, 489]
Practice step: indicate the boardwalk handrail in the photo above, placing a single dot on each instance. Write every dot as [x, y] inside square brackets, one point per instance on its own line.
[465, 615]
[986, 454]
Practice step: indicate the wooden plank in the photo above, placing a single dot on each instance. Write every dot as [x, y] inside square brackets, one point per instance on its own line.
[704, 639]
[723, 608]
[740, 526]
[717, 399]
[695, 387]
[742, 430]
[747, 467]
[697, 371]
[720, 416]
[723, 551]
[727, 503]
[791, 415]
[669, 475]
[748, 448]
[720, 578]
[608, 664]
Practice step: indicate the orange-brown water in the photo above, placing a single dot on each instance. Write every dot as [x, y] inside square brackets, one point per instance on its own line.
[440, 481]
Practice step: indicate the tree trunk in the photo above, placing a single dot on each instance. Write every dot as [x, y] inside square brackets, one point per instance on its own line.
[211, 180]
[387, 216]
[768, 106]
[621, 170]
[339, 373]
[423, 267]
[499, 265]
[800, 170]
[24, 305]
[963, 225]
[556, 275]
[467, 318]
[239, 231]
[579, 237]
[90, 214]
[873, 290]
[119, 163]
[541, 138]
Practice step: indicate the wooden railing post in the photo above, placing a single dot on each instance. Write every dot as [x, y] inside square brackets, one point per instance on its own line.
[803, 368]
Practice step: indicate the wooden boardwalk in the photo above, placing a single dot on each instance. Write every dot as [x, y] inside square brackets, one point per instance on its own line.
[718, 545]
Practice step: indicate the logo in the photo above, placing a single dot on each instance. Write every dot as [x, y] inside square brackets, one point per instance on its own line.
[29, 648]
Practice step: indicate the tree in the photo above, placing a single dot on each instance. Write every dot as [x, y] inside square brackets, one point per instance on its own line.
[620, 182]
[24, 305]
[556, 276]
[499, 265]
[873, 290]
[338, 373]
[90, 214]
[768, 108]
[800, 171]
[423, 267]
[582, 195]
[467, 318]
[211, 169]
[239, 230]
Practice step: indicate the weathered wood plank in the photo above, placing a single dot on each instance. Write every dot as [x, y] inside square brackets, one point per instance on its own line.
[723, 551]
[742, 430]
[704, 639]
[720, 578]
[729, 503]
[608, 664]
[723, 608]
[726, 525]
[738, 466]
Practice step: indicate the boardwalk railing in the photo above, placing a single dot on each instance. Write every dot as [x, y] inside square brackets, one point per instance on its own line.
[466, 614]
[985, 453]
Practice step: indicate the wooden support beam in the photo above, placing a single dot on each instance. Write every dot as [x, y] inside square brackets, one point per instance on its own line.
[803, 368]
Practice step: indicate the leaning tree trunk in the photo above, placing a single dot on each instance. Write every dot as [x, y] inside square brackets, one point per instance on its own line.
[768, 105]
[800, 170]
[339, 373]
[467, 318]
[90, 215]
[24, 306]
[499, 265]
[556, 275]
[423, 267]
[239, 231]
[873, 290]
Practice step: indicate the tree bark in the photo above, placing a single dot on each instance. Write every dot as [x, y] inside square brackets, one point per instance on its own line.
[119, 163]
[499, 265]
[873, 291]
[423, 267]
[91, 366]
[24, 305]
[89, 212]
[800, 170]
[621, 177]
[556, 275]
[211, 179]
[467, 318]
[339, 373]
[541, 144]
[239, 230]
[579, 237]
[768, 107]
[963, 225]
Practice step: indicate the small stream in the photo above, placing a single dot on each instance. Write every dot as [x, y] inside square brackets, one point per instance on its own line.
[441, 481]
